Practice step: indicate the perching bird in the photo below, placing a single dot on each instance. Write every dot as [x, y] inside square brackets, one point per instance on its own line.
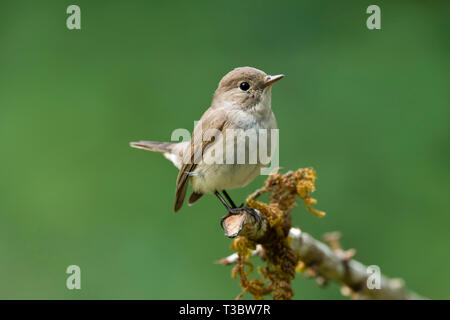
[241, 101]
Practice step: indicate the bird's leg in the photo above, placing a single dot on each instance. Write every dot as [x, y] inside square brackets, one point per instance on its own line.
[229, 199]
[234, 210]
[222, 200]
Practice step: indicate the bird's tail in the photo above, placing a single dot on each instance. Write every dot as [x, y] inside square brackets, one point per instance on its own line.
[154, 146]
[171, 150]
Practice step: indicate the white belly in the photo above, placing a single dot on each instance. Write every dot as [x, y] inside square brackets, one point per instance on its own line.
[209, 178]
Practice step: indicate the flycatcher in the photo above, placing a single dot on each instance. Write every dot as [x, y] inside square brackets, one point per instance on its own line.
[241, 103]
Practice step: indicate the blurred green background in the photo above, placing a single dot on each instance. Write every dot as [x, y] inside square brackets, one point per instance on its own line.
[369, 110]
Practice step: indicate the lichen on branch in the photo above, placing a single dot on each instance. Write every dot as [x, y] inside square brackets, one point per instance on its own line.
[280, 260]
[286, 250]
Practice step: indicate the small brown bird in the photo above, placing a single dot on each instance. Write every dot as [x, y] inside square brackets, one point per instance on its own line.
[241, 101]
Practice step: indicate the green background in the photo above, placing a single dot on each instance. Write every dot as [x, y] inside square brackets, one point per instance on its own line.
[369, 110]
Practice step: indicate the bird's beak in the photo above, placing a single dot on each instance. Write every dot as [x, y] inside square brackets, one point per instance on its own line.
[272, 79]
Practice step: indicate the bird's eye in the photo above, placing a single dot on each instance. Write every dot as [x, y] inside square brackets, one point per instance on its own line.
[244, 86]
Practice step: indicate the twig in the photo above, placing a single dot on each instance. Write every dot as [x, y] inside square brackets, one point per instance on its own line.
[233, 258]
[266, 228]
[347, 272]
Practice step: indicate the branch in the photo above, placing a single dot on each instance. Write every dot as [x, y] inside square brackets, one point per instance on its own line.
[331, 265]
[265, 230]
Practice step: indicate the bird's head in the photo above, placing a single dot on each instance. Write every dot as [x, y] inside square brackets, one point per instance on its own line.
[246, 88]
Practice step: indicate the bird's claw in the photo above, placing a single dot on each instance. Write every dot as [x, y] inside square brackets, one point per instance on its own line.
[240, 210]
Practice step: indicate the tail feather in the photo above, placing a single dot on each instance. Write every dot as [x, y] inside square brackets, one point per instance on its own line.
[171, 150]
[153, 146]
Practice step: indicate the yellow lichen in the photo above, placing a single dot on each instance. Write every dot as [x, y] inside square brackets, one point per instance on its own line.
[281, 261]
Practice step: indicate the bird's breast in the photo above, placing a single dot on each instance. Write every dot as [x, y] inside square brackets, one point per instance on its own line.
[233, 160]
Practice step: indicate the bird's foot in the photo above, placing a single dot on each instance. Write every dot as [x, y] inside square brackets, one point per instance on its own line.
[233, 221]
[240, 210]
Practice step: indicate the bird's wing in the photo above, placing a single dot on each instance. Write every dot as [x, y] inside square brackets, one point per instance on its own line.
[211, 119]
